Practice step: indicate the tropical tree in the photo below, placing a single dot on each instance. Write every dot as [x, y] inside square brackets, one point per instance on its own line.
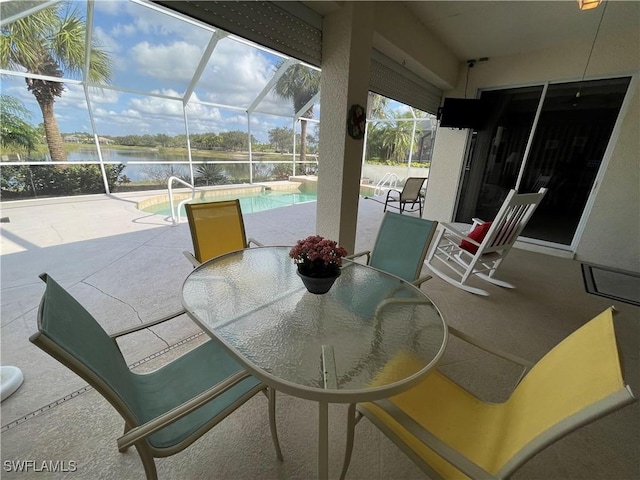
[280, 138]
[234, 140]
[211, 174]
[397, 138]
[376, 149]
[299, 84]
[15, 132]
[51, 42]
[378, 106]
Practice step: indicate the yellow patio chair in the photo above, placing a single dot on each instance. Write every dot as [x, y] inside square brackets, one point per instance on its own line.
[450, 433]
[216, 228]
[164, 411]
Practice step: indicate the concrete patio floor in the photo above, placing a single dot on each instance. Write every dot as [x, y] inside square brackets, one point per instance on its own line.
[126, 267]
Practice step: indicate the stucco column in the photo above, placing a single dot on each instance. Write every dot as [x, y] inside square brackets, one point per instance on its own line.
[346, 61]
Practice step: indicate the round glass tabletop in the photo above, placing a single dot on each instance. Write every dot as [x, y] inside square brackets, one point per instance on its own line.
[371, 336]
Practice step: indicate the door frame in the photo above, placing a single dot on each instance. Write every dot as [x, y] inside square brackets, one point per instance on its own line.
[604, 164]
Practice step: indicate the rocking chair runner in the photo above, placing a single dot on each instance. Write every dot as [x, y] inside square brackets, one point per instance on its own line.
[411, 194]
[457, 255]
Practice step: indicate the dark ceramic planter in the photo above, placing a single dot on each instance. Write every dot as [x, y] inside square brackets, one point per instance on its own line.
[318, 285]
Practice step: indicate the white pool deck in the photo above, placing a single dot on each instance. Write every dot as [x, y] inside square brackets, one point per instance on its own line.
[126, 266]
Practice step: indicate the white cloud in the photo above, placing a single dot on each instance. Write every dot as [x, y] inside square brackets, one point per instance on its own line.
[103, 95]
[235, 75]
[109, 7]
[106, 42]
[156, 106]
[197, 111]
[111, 41]
[123, 30]
[175, 61]
[72, 103]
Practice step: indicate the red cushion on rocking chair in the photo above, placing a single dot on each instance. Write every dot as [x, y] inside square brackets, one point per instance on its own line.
[477, 233]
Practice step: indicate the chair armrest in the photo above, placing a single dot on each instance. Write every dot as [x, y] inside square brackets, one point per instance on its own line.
[454, 457]
[487, 348]
[146, 325]
[255, 242]
[477, 221]
[152, 426]
[450, 230]
[360, 254]
[421, 280]
[192, 259]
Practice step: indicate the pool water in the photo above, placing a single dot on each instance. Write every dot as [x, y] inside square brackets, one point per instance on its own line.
[267, 200]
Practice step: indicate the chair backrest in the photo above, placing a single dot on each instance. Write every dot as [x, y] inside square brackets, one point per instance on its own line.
[216, 228]
[511, 219]
[575, 383]
[402, 244]
[411, 189]
[70, 334]
[541, 182]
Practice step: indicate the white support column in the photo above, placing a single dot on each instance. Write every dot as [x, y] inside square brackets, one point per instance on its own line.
[346, 61]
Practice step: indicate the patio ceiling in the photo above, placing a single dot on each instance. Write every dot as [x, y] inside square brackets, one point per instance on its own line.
[476, 29]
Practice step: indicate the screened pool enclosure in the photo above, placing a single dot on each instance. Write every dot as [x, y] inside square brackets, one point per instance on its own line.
[122, 95]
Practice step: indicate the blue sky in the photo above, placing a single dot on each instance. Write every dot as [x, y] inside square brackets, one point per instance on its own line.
[157, 53]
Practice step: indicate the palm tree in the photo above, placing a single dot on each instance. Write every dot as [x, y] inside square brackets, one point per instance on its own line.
[46, 43]
[299, 83]
[398, 136]
[378, 106]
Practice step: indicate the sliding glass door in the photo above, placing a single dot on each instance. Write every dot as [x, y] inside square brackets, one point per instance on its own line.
[550, 136]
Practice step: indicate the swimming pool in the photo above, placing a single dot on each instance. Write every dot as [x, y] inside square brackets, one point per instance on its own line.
[249, 203]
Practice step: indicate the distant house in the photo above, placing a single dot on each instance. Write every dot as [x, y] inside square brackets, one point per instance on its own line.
[86, 139]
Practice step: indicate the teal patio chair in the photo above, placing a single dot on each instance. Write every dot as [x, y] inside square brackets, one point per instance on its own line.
[164, 411]
[401, 246]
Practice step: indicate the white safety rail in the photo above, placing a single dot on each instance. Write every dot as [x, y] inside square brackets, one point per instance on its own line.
[175, 213]
[389, 180]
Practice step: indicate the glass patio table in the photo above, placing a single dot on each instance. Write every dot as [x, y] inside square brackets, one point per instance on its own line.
[328, 348]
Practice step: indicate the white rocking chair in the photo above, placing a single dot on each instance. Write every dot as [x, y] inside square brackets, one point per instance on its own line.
[459, 250]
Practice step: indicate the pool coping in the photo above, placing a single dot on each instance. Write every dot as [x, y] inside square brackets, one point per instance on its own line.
[204, 193]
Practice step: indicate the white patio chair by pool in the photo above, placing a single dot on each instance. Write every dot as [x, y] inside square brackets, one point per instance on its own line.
[411, 194]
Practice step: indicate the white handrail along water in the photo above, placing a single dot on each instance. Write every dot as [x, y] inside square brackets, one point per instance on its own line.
[175, 213]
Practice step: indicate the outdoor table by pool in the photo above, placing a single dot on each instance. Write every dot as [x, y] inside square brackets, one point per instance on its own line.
[328, 348]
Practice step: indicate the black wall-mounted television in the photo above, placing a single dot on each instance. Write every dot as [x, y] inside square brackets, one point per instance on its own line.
[462, 113]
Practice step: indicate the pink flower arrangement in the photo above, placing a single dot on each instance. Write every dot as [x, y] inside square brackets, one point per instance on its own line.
[317, 256]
